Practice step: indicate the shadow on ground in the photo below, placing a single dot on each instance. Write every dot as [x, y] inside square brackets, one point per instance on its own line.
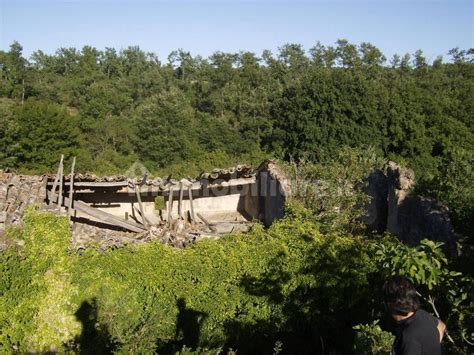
[94, 338]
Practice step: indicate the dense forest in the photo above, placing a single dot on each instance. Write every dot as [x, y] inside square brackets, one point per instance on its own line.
[189, 114]
[311, 282]
[110, 108]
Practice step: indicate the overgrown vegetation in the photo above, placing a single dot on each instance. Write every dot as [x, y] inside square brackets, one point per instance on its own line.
[186, 114]
[311, 282]
[290, 287]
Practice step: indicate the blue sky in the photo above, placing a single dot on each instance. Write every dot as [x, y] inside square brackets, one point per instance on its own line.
[204, 27]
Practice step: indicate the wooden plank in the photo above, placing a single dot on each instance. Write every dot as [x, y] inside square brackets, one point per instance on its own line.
[170, 206]
[195, 185]
[95, 184]
[71, 188]
[55, 183]
[190, 194]
[105, 217]
[61, 182]
[180, 202]
[140, 205]
[142, 216]
[206, 222]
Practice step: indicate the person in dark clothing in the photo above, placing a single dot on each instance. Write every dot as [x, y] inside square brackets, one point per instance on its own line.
[418, 332]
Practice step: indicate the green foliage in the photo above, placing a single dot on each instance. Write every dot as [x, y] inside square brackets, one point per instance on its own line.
[289, 104]
[429, 269]
[424, 264]
[36, 312]
[371, 339]
[234, 289]
[159, 203]
[43, 132]
[289, 284]
[453, 184]
[302, 279]
[8, 133]
[333, 189]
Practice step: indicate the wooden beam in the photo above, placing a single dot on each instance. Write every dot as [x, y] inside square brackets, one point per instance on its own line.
[71, 188]
[55, 183]
[207, 223]
[61, 182]
[105, 216]
[180, 202]
[96, 184]
[143, 216]
[190, 194]
[140, 205]
[195, 185]
[170, 206]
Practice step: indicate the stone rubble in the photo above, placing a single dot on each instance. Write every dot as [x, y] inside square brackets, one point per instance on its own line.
[17, 192]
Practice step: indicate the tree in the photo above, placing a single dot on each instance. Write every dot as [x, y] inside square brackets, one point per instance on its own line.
[317, 54]
[13, 72]
[45, 131]
[166, 129]
[347, 53]
[419, 60]
[371, 55]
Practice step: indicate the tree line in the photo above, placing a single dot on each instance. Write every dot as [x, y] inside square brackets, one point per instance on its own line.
[189, 113]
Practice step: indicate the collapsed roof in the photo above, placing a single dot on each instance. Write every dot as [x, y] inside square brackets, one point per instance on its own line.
[117, 210]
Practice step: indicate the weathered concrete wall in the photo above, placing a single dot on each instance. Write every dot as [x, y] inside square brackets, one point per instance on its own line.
[274, 189]
[395, 209]
[377, 208]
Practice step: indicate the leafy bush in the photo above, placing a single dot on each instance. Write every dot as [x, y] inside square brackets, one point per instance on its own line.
[429, 269]
[36, 312]
[333, 189]
[371, 339]
[279, 288]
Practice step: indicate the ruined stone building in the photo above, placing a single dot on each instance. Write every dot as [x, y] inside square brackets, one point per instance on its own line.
[118, 210]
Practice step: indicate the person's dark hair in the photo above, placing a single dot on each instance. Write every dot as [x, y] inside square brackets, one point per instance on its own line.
[400, 296]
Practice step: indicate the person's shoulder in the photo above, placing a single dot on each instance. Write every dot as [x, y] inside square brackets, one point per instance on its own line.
[424, 316]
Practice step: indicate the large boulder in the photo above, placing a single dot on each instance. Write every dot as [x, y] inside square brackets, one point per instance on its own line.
[395, 209]
[375, 217]
[400, 182]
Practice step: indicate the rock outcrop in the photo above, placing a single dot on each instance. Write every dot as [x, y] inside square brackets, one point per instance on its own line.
[377, 208]
[395, 209]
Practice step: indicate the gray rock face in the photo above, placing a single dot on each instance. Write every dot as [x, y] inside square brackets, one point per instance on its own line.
[396, 210]
[421, 217]
[376, 209]
[400, 182]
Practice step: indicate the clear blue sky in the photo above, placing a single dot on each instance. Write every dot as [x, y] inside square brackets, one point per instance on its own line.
[203, 27]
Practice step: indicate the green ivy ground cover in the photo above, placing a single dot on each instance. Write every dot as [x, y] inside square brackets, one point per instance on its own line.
[289, 285]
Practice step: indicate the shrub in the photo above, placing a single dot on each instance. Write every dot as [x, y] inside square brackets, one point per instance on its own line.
[371, 339]
[286, 285]
[36, 312]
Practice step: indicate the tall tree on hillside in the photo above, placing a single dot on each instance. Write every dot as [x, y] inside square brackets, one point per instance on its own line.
[13, 68]
[371, 55]
[166, 129]
[44, 132]
[347, 54]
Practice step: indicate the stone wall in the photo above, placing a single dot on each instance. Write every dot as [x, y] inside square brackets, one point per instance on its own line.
[396, 209]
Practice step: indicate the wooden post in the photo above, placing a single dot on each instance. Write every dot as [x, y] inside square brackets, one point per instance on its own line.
[140, 204]
[61, 178]
[71, 187]
[191, 207]
[55, 184]
[170, 205]
[207, 223]
[180, 203]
